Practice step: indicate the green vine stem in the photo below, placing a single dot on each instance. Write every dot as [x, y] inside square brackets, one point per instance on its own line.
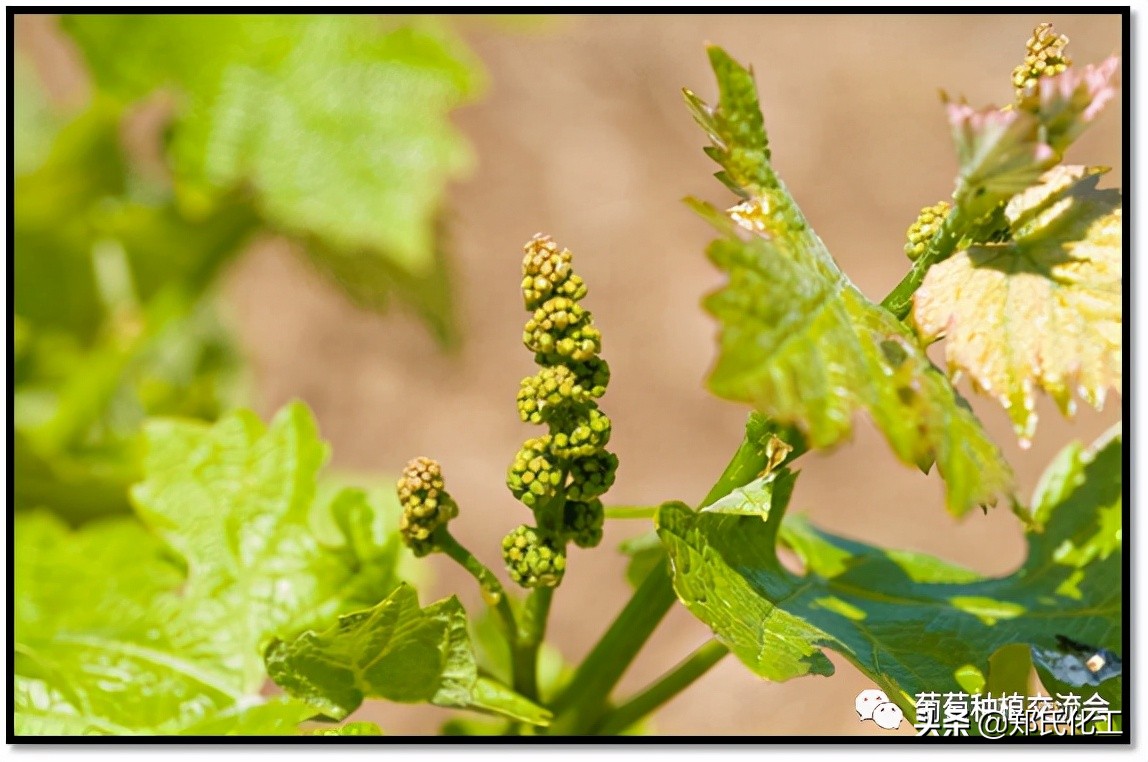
[535, 612]
[665, 688]
[960, 227]
[631, 511]
[584, 701]
[579, 706]
[900, 299]
[492, 591]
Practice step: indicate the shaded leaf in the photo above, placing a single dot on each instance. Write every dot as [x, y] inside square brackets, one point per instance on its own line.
[1044, 310]
[909, 622]
[800, 342]
[52, 260]
[396, 651]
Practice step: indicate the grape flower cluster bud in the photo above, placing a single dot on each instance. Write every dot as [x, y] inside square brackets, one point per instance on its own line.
[925, 228]
[1044, 57]
[561, 475]
[533, 558]
[426, 505]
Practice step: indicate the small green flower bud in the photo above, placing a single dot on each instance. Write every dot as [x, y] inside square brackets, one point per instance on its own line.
[426, 504]
[924, 228]
[533, 558]
[548, 272]
[582, 522]
[592, 476]
[584, 433]
[562, 330]
[534, 475]
[593, 375]
[548, 390]
[1044, 57]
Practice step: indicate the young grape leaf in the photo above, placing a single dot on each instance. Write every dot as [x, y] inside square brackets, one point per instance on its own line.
[1067, 103]
[339, 124]
[999, 153]
[125, 627]
[800, 342]
[396, 651]
[92, 654]
[1044, 309]
[235, 500]
[910, 622]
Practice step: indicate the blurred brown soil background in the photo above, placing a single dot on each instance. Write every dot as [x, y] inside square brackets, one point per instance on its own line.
[582, 134]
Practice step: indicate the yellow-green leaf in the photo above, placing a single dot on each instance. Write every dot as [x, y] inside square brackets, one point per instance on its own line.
[800, 342]
[1043, 310]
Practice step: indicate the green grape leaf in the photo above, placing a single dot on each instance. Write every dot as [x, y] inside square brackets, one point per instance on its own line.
[1042, 310]
[277, 716]
[800, 342]
[396, 651]
[235, 500]
[156, 626]
[92, 656]
[910, 622]
[338, 124]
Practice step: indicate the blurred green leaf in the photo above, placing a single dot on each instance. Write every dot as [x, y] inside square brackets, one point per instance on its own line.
[77, 489]
[800, 342]
[55, 283]
[396, 651]
[34, 120]
[157, 627]
[339, 125]
[351, 729]
[110, 321]
[646, 552]
[911, 623]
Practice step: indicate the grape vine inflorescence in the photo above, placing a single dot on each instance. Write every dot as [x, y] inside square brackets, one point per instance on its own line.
[426, 505]
[561, 475]
[1044, 57]
[924, 228]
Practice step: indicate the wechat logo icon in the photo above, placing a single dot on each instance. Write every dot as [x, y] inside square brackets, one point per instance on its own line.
[873, 704]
